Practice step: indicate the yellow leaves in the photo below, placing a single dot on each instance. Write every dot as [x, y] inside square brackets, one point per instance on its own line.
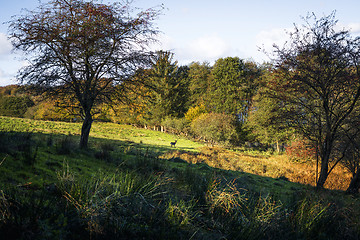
[195, 112]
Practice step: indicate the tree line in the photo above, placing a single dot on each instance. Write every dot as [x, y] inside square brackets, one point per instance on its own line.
[209, 102]
[93, 60]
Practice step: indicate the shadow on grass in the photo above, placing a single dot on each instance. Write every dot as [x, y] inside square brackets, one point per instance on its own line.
[23, 148]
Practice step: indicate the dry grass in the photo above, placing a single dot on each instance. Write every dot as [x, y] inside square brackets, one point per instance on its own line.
[275, 166]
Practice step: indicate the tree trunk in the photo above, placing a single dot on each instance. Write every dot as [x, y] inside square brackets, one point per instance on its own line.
[324, 171]
[354, 185]
[277, 146]
[85, 131]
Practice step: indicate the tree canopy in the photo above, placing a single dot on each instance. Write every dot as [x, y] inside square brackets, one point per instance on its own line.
[168, 87]
[224, 90]
[81, 49]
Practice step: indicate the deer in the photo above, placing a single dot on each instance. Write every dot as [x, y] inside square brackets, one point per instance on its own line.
[172, 144]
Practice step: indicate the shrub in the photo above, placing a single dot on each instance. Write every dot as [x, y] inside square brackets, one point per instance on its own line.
[176, 125]
[196, 182]
[20, 145]
[315, 219]
[105, 152]
[226, 201]
[216, 127]
[112, 204]
[28, 214]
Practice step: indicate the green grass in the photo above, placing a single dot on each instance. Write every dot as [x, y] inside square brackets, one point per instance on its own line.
[130, 184]
[100, 130]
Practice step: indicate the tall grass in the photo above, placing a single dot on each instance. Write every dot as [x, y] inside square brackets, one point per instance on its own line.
[21, 146]
[273, 166]
[181, 213]
[95, 199]
[315, 219]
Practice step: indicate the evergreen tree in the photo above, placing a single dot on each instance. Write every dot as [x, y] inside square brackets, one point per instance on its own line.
[169, 87]
[199, 78]
[224, 94]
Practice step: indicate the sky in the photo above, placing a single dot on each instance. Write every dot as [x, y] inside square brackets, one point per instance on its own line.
[206, 30]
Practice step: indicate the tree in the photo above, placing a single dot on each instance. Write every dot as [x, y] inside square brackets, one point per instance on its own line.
[349, 149]
[224, 94]
[83, 50]
[318, 85]
[168, 84]
[264, 119]
[233, 84]
[199, 78]
[252, 76]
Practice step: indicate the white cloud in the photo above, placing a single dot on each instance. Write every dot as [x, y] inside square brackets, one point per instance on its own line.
[5, 45]
[278, 36]
[7, 65]
[267, 39]
[6, 78]
[164, 43]
[354, 27]
[206, 48]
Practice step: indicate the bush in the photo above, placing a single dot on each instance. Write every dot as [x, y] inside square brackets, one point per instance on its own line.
[113, 206]
[105, 152]
[176, 125]
[37, 215]
[180, 213]
[216, 127]
[19, 145]
[316, 219]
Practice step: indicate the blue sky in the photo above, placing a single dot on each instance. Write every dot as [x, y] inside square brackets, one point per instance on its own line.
[205, 30]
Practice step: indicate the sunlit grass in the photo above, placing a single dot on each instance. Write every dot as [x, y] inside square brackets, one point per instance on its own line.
[109, 131]
[272, 166]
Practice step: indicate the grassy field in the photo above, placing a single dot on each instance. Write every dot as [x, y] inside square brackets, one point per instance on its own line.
[99, 130]
[130, 184]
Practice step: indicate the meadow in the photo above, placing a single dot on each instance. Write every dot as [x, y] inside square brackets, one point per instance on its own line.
[131, 184]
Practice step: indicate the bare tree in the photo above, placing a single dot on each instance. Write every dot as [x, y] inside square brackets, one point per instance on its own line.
[318, 85]
[84, 50]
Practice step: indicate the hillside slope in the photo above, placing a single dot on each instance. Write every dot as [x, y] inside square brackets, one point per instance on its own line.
[132, 185]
